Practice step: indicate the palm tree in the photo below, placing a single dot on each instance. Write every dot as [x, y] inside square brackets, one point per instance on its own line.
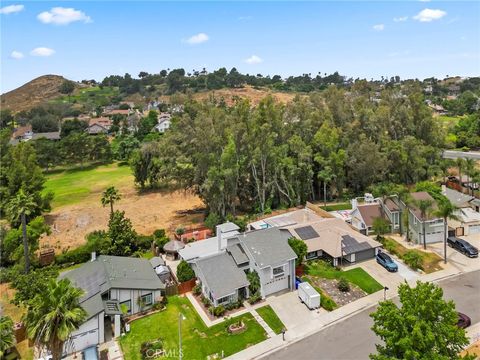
[53, 316]
[110, 196]
[446, 210]
[460, 164]
[7, 337]
[21, 206]
[425, 206]
[470, 170]
[444, 167]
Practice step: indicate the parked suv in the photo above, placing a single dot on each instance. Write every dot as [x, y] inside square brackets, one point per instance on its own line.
[463, 246]
[387, 262]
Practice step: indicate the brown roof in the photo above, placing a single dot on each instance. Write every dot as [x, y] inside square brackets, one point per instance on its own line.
[369, 213]
[391, 205]
[20, 131]
[103, 121]
[418, 196]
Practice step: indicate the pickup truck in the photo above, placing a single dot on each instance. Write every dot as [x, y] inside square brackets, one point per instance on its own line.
[462, 246]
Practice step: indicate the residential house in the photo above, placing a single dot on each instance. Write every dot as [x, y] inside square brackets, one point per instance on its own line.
[288, 218]
[112, 286]
[22, 133]
[362, 216]
[333, 239]
[432, 224]
[100, 125]
[468, 214]
[164, 122]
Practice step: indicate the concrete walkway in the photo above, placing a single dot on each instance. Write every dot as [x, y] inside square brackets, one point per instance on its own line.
[262, 322]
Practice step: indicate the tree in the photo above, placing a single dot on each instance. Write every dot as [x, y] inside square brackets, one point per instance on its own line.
[7, 335]
[425, 207]
[22, 206]
[460, 163]
[300, 249]
[121, 234]
[254, 281]
[423, 327]
[381, 226]
[109, 197]
[27, 286]
[67, 87]
[446, 210]
[73, 126]
[48, 153]
[51, 319]
[326, 176]
[184, 271]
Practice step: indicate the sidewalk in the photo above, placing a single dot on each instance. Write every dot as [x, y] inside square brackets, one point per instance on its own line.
[331, 318]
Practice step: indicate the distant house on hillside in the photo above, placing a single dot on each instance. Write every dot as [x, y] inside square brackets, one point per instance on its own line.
[22, 133]
[164, 122]
[99, 125]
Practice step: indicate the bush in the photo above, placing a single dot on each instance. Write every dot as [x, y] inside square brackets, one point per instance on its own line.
[184, 271]
[96, 241]
[143, 242]
[327, 303]
[212, 221]
[343, 285]
[9, 274]
[206, 301]
[159, 233]
[217, 311]
[197, 290]
[413, 259]
[254, 298]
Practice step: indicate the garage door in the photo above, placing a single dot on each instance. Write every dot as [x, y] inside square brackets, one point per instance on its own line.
[474, 229]
[275, 285]
[364, 255]
[434, 237]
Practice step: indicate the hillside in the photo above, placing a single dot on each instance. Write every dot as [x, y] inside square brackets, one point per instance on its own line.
[33, 93]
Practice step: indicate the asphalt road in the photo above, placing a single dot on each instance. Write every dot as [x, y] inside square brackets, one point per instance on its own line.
[353, 339]
[452, 154]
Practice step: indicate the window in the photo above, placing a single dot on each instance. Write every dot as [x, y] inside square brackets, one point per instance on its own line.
[312, 255]
[147, 299]
[126, 306]
[278, 271]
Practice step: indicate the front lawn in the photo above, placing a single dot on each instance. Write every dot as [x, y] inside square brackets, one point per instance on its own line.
[272, 320]
[356, 276]
[429, 262]
[338, 207]
[198, 341]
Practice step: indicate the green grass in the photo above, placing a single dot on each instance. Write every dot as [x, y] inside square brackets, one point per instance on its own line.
[73, 186]
[272, 320]
[337, 207]
[430, 261]
[356, 276]
[198, 341]
[92, 95]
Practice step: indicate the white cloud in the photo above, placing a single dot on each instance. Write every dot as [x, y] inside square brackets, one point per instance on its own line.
[197, 39]
[10, 9]
[428, 15]
[400, 18]
[254, 59]
[42, 51]
[17, 55]
[379, 27]
[63, 16]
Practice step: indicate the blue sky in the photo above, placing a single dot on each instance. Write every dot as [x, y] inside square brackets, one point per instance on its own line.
[93, 39]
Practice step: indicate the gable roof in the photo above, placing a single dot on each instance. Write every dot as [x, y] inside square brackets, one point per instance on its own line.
[238, 253]
[457, 198]
[418, 196]
[267, 247]
[369, 213]
[392, 205]
[53, 135]
[221, 274]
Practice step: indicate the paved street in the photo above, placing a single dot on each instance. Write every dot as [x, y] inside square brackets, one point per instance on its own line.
[353, 339]
[452, 154]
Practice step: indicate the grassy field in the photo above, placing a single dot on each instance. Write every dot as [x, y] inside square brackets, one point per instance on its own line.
[198, 341]
[73, 186]
[337, 207]
[356, 276]
[92, 95]
[272, 320]
[430, 261]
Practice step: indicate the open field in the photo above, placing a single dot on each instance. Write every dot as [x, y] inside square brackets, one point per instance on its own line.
[198, 341]
[90, 95]
[77, 209]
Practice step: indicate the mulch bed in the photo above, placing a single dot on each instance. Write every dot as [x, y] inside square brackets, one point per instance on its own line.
[210, 316]
[341, 298]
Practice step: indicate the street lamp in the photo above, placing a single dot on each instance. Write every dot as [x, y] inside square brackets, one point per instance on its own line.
[385, 293]
[180, 318]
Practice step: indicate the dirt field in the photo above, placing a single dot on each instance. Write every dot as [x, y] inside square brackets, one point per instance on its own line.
[148, 212]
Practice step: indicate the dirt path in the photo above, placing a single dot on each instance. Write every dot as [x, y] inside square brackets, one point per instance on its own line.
[148, 212]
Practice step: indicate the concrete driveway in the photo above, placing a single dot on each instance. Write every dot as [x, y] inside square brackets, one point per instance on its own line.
[291, 310]
[455, 258]
[379, 273]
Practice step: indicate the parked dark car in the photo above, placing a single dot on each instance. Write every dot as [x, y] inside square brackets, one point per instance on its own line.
[387, 262]
[463, 321]
[463, 246]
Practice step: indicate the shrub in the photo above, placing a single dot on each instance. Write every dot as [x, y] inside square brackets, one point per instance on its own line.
[159, 233]
[180, 231]
[254, 298]
[206, 301]
[184, 271]
[413, 259]
[197, 289]
[300, 249]
[96, 241]
[218, 311]
[212, 221]
[143, 242]
[343, 285]
[327, 303]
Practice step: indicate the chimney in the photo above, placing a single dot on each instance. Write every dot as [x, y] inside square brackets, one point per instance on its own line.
[93, 256]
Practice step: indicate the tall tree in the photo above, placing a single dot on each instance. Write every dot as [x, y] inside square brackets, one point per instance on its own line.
[121, 234]
[109, 197]
[20, 207]
[51, 319]
[7, 336]
[460, 163]
[425, 207]
[446, 211]
[423, 327]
